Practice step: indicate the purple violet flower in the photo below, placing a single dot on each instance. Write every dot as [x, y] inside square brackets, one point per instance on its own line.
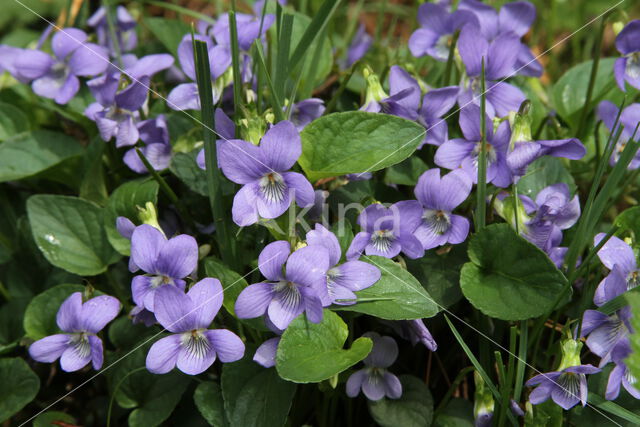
[618, 257]
[621, 376]
[607, 335]
[568, 385]
[116, 113]
[265, 354]
[514, 18]
[416, 332]
[555, 211]
[435, 104]
[125, 29]
[358, 47]
[157, 150]
[629, 118]
[305, 111]
[374, 379]
[627, 68]
[267, 188]
[404, 100]
[438, 197]
[499, 56]
[299, 287]
[80, 323]
[57, 77]
[166, 262]
[388, 231]
[437, 28]
[463, 152]
[192, 347]
[139, 314]
[343, 279]
[225, 128]
[185, 96]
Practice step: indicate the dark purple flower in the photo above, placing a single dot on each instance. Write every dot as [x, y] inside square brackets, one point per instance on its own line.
[57, 77]
[618, 257]
[629, 118]
[139, 314]
[499, 56]
[555, 211]
[514, 18]
[568, 385]
[438, 198]
[416, 332]
[437, 28]
[374, 379]
[463, 152]
[607, 335]
[388, 231]
[157, 149]
[125, 29]
[299, 287]
[185, 96]
[116, 113]
[80, 322]
[166, 262]
[192, 347]
[620, 375]
[435, 104]
[266, 354]
[305, 111]
[267, 188]
[343, 279]
[358, 47]
[404, 100]
[627, 68]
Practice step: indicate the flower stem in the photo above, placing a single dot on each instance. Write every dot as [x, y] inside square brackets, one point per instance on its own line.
[481, 204]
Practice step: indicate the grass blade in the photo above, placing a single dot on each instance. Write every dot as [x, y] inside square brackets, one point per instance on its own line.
[214, 176]
[318, 23]
[276, 103]
[481, 208]
[235, 64]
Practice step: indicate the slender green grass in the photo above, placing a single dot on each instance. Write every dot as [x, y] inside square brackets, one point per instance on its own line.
[214, 176]
[318, 23]
[481, 203]
[235, 64]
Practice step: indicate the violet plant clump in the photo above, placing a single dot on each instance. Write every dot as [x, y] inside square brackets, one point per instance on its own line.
[319, 213]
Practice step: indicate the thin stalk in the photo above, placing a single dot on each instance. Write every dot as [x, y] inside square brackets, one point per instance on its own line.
[452, 52]
[454, 385]
[214, 177]
[113, 34]
[481, 208]
[597, 47]
[521, 363]
[275, 100]
[380, 21]
[235, 64]
[577, 244]
[115, 389]
[343, 85]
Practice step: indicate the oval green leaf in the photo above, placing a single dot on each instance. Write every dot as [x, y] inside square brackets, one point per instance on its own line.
[396, 296]
[69, 233]
[312, 352]
[356, 142]
[28, 154]
[40, 316]
[414, 408]
[508, 277]
[232, 282]
[570, 91]
[253, 395]
[208, 400]
[19, 385]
